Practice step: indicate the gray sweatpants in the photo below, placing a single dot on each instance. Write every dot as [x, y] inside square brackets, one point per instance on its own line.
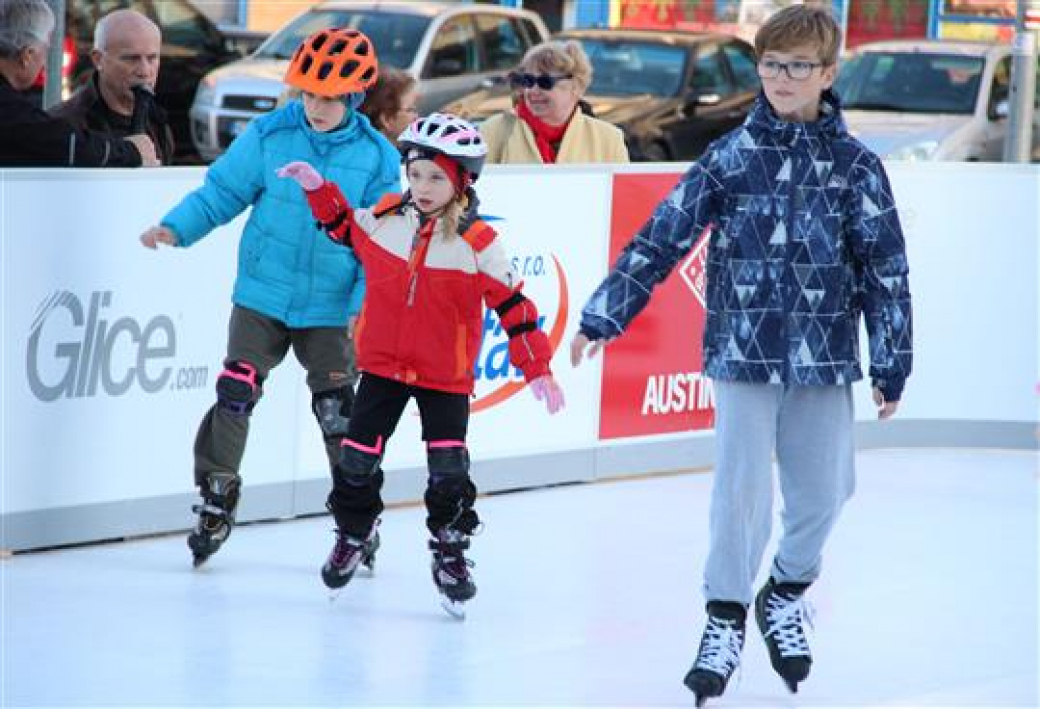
[810, 428]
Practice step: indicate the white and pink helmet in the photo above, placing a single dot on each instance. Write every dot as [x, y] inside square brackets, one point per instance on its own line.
[447, 135]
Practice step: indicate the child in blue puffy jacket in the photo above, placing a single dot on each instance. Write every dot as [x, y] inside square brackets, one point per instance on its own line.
[293, 289]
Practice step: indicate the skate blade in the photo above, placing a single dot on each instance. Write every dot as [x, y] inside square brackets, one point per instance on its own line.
[456, 609]
[199, 559]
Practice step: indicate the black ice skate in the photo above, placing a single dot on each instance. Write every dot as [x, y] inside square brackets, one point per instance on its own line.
[347, 554]
[719, 652]
[450, 570]
[781, 613]
[216, 516]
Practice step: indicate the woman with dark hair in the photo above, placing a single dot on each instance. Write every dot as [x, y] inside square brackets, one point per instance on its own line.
[391, 105]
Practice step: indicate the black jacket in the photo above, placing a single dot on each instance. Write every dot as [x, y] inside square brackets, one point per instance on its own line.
[87, 110]
[31, 138]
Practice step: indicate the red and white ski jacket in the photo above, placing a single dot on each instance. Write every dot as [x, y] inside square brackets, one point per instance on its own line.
[422, 318]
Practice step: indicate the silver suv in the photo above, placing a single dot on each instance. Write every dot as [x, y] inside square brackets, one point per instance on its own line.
[452, 49]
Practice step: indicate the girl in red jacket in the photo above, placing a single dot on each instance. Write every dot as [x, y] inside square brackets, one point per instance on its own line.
[430, 267]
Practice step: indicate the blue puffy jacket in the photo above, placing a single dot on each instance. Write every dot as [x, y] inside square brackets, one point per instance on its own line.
[804, 239]
[287, 268]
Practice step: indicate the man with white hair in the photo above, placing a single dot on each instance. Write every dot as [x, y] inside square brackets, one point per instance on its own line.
[125, 55]
[28, 136]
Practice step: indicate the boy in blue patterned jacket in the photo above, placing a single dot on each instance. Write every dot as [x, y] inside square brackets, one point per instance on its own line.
[804, 237]
[292, 289]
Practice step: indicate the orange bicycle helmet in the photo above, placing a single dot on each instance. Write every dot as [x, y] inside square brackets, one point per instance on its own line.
[333, 62]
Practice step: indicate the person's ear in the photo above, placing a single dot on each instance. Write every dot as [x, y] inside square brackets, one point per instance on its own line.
[829, 74]
[95, 57]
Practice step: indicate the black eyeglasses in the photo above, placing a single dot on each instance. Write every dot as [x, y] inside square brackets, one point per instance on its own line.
[796, 71]
[546, 82]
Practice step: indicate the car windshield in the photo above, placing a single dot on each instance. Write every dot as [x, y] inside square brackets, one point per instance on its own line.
[395, 35]
[910, 82]
[631, 68]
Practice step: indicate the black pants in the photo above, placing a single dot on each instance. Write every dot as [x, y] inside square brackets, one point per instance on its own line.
[355, 500]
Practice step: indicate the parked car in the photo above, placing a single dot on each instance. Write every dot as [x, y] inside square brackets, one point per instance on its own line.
[191, 46]
[672, 93]
[930, 99]
[451, 48]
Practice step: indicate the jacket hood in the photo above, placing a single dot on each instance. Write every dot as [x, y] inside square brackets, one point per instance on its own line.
[830, 124]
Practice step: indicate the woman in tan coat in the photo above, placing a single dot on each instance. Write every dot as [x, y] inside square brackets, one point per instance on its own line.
[547, 124]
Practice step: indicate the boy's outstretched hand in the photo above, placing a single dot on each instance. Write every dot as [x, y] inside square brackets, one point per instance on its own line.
[546, 389]
[578, 346]
[306, 176]
[156, 235]
[886, 409]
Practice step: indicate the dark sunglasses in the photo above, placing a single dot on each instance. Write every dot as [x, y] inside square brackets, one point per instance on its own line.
[546, 82]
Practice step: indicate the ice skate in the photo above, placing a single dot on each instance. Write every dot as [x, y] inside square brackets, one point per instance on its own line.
[348, 553]
[719, 653]
[216, 516]
[450, 569]
[781, 613]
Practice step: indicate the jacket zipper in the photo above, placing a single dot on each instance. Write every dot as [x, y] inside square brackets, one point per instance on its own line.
[420, 245]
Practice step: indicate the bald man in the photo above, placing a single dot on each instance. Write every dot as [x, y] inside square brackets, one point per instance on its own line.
[125, 54]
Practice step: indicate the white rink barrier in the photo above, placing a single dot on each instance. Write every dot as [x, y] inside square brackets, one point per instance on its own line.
[111, 351]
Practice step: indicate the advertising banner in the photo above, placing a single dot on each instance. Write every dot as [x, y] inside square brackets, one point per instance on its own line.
[112, 351]
[652, 378]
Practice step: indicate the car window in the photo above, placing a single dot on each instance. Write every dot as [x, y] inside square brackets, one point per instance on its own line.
[742, 63]
[395, 35]
[709, 76]
[454, 50]
[181, 24]
[912, 82]
[532, 35]
[622, 68]
[1001, 84]
[503, 45]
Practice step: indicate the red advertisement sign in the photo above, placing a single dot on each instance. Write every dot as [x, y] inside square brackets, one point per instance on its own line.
[652, 375]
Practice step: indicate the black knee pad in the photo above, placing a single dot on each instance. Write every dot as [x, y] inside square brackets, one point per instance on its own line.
[356, 467]
[238, 388]
[450, 493]
[448, 461]
[332, 409]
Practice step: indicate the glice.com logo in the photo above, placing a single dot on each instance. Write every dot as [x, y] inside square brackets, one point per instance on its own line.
[73, 350]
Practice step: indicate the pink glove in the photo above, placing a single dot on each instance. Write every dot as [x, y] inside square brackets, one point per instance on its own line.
[305, 175]
[546, 389]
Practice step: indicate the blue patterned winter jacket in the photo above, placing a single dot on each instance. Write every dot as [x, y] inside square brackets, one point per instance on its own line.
[287, 268]
[804, 238]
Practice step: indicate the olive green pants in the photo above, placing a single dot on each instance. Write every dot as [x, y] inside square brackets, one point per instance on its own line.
[256, 345]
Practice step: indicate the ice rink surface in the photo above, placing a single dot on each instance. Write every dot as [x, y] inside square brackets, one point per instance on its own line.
[589, 595]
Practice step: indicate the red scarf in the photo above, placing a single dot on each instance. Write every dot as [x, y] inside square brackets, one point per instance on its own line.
[545, 135]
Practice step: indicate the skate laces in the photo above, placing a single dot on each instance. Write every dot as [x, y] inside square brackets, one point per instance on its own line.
[785, 616]
[345, 546]
[448, 546]
[720, 649]
[212, 519]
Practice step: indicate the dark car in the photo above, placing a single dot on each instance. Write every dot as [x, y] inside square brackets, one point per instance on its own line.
[672, 93]
[191, 46]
